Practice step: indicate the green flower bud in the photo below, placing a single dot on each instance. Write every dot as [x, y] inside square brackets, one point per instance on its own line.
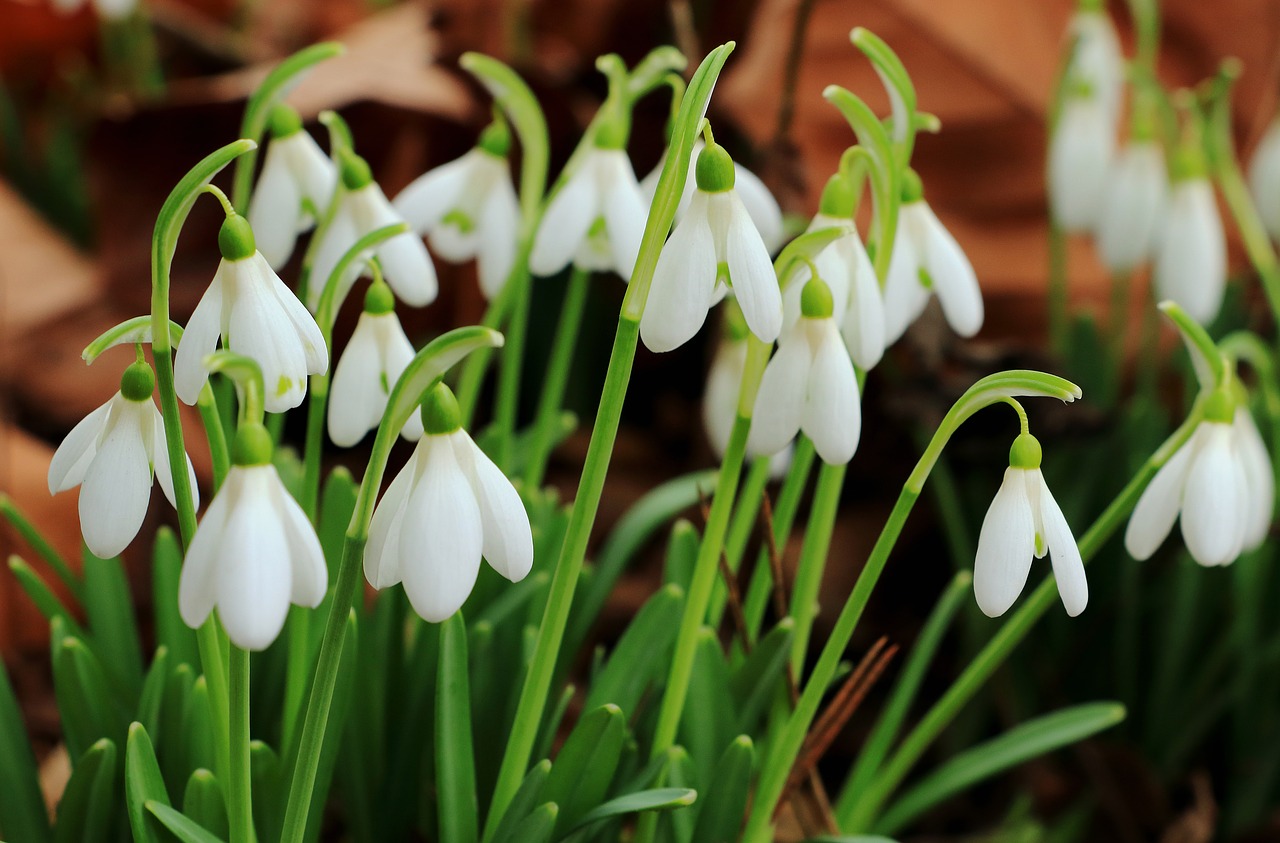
[1025, 452]
[252, 446]
[284, 121]
[235, 239]
[815, 300]
[355, 171]
[379, 299]
[137, 382]
[912, 187]
[715, 169]
[838, 198]
[440, 413]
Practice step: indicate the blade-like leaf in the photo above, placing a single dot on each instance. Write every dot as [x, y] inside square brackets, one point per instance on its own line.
[641, 655]
[183, 827]
[723, 805]
[526, 800]
[682, 551]
[112, 624]
[166, 562]
[22, 811]
[584, 768]
[455, 760]
[88, 805]
[661, 799]
[756, 682]
[204, 802]
[142, 784]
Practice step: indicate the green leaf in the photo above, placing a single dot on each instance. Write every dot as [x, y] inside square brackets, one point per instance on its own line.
[183, 827]
[538, 826]
[661, 799]
[87, 809]
[584, 768]
[724, 800]
[642, 653]
[22, 811]
[152, 696]
[523, 804]
[171, 737]
[459, 809]
[41, 595]
[1023, 742]
[682, 552]
[112, 624]
[336, 505]
[89, 710]
[855, 838]
[708, 716]
[46, 551]
[204, 802]
[677, 826]
[197, 726]
[142, 783]
[755, 683]
[171, 631]
[266, 776]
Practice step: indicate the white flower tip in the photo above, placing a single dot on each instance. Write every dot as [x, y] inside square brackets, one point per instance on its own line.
[993, 601]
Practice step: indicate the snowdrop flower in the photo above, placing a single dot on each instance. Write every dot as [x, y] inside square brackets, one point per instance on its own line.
[295, 187]
[1135, 194]
[809, 385]
[257, 316]
[1260, 484]
[763, 209]
[1097, 63]
[362, 208]
[1208, 485]
[1264, 179]
[924, 252]
[720, 398]
[376, 356]
[1025, 522]
[470, 209]
[715, 243]
[597, 218]
[112, 10]
[111, 455]
[1080, 153]
[1191, 259]
[253, 553]
[446, 508]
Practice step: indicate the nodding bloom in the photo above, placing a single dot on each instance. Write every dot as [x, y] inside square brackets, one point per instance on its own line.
[112, 455]
[810, 386]
[257, 316]
[1080, 153]
[763, 209]
[1097, 62]
[362, 209]
[1135, 195]
[376, 356]
[927, 259]
[112, 10]
[1023, 523]
[724, 383]
[1219, 484]
[1264, 179]
[714, 244]
[597, 218]
[1191, 260]
[254, 552]
[295, 187]
[469, 209]
[448, 507]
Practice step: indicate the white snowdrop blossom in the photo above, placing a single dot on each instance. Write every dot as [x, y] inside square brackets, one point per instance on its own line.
[257, 316]
[295, 186]
[362, 209]
[1097, 63]
[763, 209]
[720, 398]
[1023, 523]
[469, 209]
[1191, 260]
[925, 253]
[713, 244]
[375, 357]
[1208, 484]
[448, 507]
[254, 552]
[1133, 206]
[1080, 153]
[112, 455]
[595, 220]
[809, 385]
[1264, 179]
[1259, 478]
[112, 10]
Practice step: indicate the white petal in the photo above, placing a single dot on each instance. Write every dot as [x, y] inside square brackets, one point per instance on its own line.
[72, 459]
[199, 340]
[1191, 264]
[864, 322]
[382, 553]
[766, 216]
[1005, 546]
[508, 538]
[253, 578]
[682, 283]
[160, 462]
[1079, 155]
[338, 236]
[832, 416]
[304, 324]
[1064, 553]
[565, 224]
[1158, 507]
[781, 398]
[313, 171]
[357, 396]
[117, 486]
[1135, 197]
[1264, 179]
[1255, 462]
[1098, 60]
[275, 209]
[405, 262]
[309, 578]
[442, 538]
[954, 280]
[755, 285]
[720, 400]
[1213, 508]
[433, 194]
[260, 328]
[904, 296]
[624, 211]
[499, 231]
[197, 587]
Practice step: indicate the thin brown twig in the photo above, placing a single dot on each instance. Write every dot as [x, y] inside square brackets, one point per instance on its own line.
[730, 584]
[791, 74]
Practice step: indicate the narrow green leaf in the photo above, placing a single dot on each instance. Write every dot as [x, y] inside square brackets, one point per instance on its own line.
[855, 838]
[183, 827]
[166, 567]
[267, 778]
[171, 736]
[527, 798]
[551, 723]
[197, 726]
[89, 710]
[459, 809]
[336, 505]
[1023, 742]
[755, 683]
[112, 624]
[142, 783]
[723, 805]
[152, 696]
[22, 812]
[682, 551]
[641, 655]
[41, 595]
[708, 717]
[677, 826]
[204, 802]
[46, 551]
[584, 768]
[87, 809]
[662, 799]
[537, 827]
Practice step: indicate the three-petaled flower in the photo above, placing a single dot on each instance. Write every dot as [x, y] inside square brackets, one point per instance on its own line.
[296, 186]
[1191, 259]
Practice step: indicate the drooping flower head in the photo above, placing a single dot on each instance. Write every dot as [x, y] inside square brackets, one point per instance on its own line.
[295, 187]
[112, 455]
[375, 357]
[257, 316]
[1191, 259]
[1023, 523]
[448, 507]
[1264, 179]
[1133, 207]
[715, 245]
[469, 209]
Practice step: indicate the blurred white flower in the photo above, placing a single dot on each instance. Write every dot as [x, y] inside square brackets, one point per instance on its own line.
[1098, 63]
[112, 10]
[1135, 194]
[295, 185]
[1080, 153]
[1259, 478]
[1264, 179]
[1191, 260]
[720, 399]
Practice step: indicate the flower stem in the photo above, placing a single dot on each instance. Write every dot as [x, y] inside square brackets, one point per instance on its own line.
[512, 357]
[741, 523]
[240, 793]
[813, 558]
[761, 586]
[557, 377]
[216, 436]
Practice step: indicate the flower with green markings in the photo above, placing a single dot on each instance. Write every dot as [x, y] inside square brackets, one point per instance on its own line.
[296, 185]
[720, 397]
[375, 357]
[254, 552]
[112, 455]
[715, 246]
[1024, 522]
[469, 209]
[448, 507]
[1191, 261]
[1264, 179]
[809, 385]
[1135, 196]
[363, 208]
[257, 316]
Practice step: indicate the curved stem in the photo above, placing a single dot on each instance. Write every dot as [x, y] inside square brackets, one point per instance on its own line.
[557, 377]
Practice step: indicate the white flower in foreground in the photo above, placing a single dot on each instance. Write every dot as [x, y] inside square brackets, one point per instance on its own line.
[1080, 153]
[925, 252]
[257, 316]
[809, 385]
[254, 552]
[446, 508]
[111, 454]
[765, 213]
[376, 356]
[1135, 194]
[596, 220]
[715, 243]
[1191, 260]
[363, 209]
[1097, 63]
[470, 210]
[1259, 478]
[112, 10]
[1023, 523]
[720, 398]
[1264, 179]
[1207, 484]
[296, 185]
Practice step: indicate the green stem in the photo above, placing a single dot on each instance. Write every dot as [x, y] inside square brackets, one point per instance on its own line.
[1118, 324]
[813, 558]
[761, 586]
[468, 389]
[557, 377]
[313, 445]
[240, 791]
[216, 436]
[742, 522]
[41, 546]
[508, 403]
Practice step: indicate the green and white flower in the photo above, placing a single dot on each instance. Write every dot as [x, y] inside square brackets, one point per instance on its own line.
[1133, 206]
[1191, 261]
[296, 184]
[1264, 179]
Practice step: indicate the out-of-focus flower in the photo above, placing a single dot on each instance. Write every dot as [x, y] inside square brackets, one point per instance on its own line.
[720, 398]
[1133, 207]
[1264, 179]
[1191, 260]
